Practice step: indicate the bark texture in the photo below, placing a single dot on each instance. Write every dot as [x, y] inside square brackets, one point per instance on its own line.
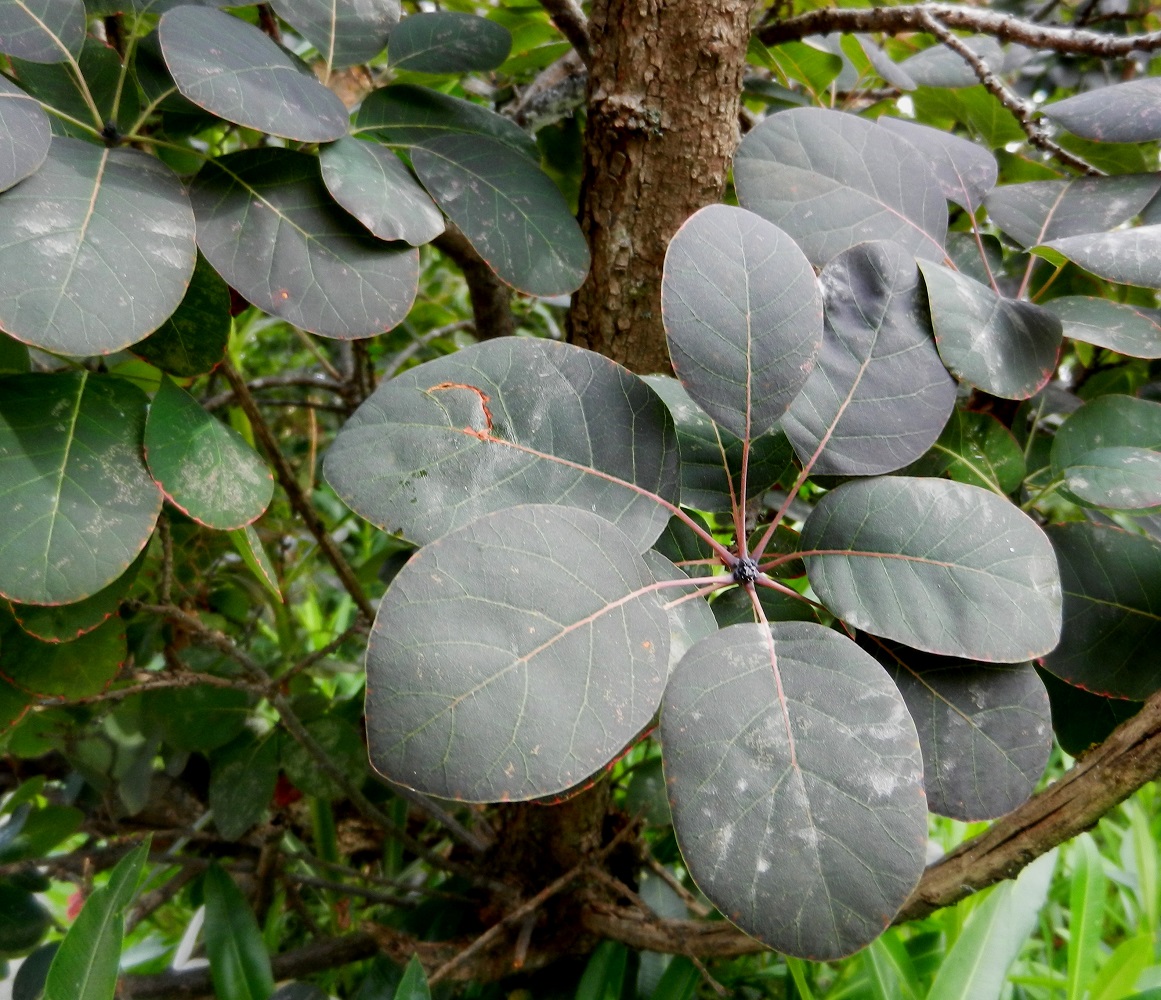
[665, 78]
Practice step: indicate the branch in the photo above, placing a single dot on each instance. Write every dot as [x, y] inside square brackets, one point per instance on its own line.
[897, 20]
[491, 298]
[571, 22]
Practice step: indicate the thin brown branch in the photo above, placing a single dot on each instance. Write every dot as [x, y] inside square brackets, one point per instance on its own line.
[294, 493]
[491, 298]
[899, 20]
[570, 20]
[1023, 111]
[319, 381]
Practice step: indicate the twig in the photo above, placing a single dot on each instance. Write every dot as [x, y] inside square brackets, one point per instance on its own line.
[1023, 111]
[413, 348]
[570, 20]
[692, 903]
[491, 298]
[358, 627]
[294, 493]
[275, 382]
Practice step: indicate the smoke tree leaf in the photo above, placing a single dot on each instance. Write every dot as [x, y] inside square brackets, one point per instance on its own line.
[233, 70]
[1112, 612]
[77, 669]
[796, 785]
[80, 503]
[743, 317]
[832, 180]
[448, 42]
[510, 211]
[1130, 256]
[268, 226]
[985, 728]
[24, 134]
[193, 340]
[96, 249]
[345, 32]
[536, 605]
[941, 566]
[1124, 479]
[1081, 719]
[1039, 211]
[44, 31]
[1123, 112]
[407, 115]
[1124, 328]
[206, 469]
[1007, 347]
[965, 170]
[1111, 421]
[373, 185]
[504, 423]
[705, 483]
[939, 66]
[689, 621]
[977, 449]
[880, 395]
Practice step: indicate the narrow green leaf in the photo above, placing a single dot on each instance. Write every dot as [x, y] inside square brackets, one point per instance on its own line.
[269, 227]
[1118, 976]
[413, 985]
[510, 211]
[604, 975]
[24, 134]
[96, 249]
[253, 554]
[941, 566]
[448, 42]
[206, 469]
[85, 966]
[531, 606]
[45, 31]
[890, 970]
[80, 503]
[239, 964]
[743, 317]
[235, 71]
[977, 964]
[1086, 909]
[345, 32]
[803, 62]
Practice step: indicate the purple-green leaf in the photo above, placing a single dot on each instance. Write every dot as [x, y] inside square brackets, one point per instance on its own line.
[79, 502]
[1007, 347]
[966, 171]
[796, 785]
[206, 469]
[743, 317]
[233, 70]
[945, 567]
[504, 423]
[1125, 479]
[193, 340]
[372, 184]
[1124, 328]
[510, 211]
[879, 395]
[448, 42]
[514, 657]
[44, 31]
[1130, 256]
[1111, 421]
[268, 226]
[345, 32]
[832, 180]
[24, 134]
[985, 728]
[1124, 112]
[96, 249]
[1112, 610]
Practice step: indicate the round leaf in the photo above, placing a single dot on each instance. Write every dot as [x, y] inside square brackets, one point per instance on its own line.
[689, 621]
[965, 170]
[796, 785]
[448, 42]
[832, 180]
[373, 185]
[879, 396]
[1130, 256]
[1120, 327]
[1112, 610]
[511, 213]
[345, 32]
[24, 134]
[96, 249]
[985, 729]
[514, 657]
[74, 669]
[268, 226]
[233, 70]
[80, 503]
[1005, 346]
[193, 340]
[1126, 479]
[1112, 421]
[44, 31]
[1082, 720]
[1124, 112]
[942, 566]
[505, 423]
[743, 317]
[977, 449]
[206, 469]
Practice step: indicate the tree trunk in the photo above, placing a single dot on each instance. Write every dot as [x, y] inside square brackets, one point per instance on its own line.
[664, 86]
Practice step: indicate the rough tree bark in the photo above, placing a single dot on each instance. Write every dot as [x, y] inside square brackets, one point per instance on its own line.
[665, 78]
